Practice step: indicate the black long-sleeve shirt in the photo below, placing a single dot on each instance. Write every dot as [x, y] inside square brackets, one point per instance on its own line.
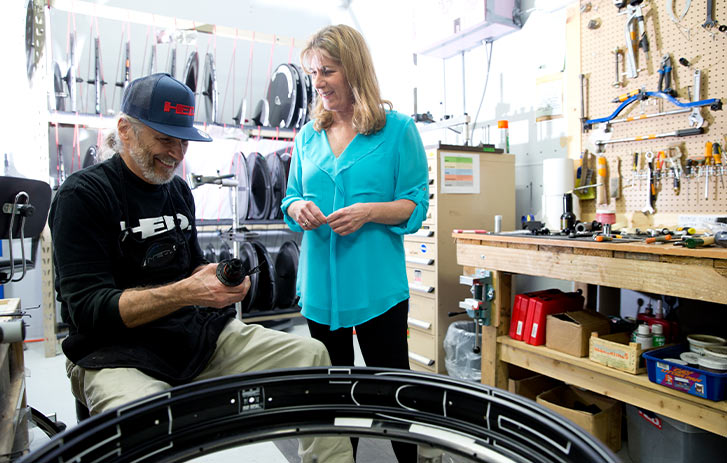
[112, 231]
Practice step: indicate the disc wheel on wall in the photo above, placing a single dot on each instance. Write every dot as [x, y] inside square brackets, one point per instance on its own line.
[260, 189]
[248, 256]
[91, 157]
[209, 89]
[282, 96]
[301, 102]
[286, 271]
[266, 289]
[278, 182]
[191, 71]
[239, 168]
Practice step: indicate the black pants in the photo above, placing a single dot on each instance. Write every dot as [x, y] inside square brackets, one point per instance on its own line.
[383, 344]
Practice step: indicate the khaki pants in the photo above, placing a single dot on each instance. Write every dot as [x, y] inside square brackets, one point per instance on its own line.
[240, 348]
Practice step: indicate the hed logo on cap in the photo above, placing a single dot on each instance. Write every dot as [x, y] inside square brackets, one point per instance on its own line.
[165, 104]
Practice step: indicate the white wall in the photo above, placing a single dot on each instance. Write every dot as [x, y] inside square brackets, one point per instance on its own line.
[390, 29]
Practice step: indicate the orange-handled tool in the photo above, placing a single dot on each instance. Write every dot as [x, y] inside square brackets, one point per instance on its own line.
[658, 239]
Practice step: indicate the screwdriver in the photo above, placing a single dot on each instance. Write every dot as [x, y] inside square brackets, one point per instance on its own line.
[707, 162]
[634, 168]
[692, 243]
[717, 154]
[657, 239]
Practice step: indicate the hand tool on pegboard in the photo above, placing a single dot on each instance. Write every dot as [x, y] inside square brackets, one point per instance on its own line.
[615, 181]
[717, 155]
[665, 76]
[710, 23]
[676, 133]
[707, 168]
[651, 189]
[584, 177]
[695, 117]
[635, 29]
[686, 31]
[675, 162]
[715, 104]
[618, 56]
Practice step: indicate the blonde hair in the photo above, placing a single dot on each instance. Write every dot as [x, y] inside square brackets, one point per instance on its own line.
[347, 47]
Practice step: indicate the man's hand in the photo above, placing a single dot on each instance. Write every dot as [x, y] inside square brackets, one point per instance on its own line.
[207, 290]
[138, 306]
[349, 219]
[307, 214]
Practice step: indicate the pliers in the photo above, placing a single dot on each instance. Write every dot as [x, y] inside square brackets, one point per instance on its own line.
[665, 76]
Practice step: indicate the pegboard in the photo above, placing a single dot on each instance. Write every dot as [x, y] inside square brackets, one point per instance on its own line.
[603, 30]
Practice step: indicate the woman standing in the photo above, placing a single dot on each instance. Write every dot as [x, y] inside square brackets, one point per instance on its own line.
[358, 182]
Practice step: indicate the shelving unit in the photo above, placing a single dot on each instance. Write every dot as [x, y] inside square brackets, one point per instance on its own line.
[629, 265]
[432, 269]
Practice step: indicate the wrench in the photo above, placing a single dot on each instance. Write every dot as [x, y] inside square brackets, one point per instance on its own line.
[649, 208]
[710, 22]
[695, 117]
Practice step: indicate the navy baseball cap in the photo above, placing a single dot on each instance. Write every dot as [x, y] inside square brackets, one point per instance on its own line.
[165, 104]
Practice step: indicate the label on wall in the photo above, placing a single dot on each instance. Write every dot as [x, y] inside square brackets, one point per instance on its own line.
[460, 173]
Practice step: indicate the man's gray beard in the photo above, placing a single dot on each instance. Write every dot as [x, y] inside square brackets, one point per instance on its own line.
[145, 160]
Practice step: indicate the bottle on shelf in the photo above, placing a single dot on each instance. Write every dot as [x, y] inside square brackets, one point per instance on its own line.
[504, 135]
[568, 218]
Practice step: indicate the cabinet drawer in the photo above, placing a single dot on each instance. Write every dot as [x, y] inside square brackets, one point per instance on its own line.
[414, 248]
[421, 281]
[431, 217]
[422, 349]
[422, 313]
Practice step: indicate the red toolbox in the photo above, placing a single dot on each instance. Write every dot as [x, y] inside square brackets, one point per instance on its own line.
[520, 311]
[541, 306]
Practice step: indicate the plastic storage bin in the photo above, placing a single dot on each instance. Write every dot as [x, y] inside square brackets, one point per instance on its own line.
[653, 438]
[695, 381]
[461, 362]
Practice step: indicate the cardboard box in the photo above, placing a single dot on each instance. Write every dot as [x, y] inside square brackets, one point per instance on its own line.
[604, 425]
[528, 383]
[570, 332]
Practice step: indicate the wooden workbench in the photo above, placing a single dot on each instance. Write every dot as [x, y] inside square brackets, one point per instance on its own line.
[13, 422]
[636, 266]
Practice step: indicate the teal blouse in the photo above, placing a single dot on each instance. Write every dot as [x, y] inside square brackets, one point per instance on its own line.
[344, 281]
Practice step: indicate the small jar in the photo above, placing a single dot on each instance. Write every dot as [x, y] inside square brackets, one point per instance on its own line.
[643, 337]
[657, 332]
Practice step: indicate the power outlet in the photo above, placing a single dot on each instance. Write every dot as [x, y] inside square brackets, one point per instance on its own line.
[700, 220]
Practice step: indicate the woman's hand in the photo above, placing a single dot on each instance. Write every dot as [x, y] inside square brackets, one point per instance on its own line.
[349, 219]
[307, 214]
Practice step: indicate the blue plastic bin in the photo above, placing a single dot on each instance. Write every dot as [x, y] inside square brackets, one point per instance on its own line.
[695, 381]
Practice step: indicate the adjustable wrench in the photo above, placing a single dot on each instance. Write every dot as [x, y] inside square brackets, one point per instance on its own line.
[695, 117]
[710, 22]
[651, 192]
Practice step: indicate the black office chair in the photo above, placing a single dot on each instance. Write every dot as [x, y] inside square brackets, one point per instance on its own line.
[24, 205]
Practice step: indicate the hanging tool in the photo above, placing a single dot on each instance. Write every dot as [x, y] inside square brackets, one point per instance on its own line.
[677, 133]
[584, 82]
[634, 169]
[717, 155]
[715, 104]
[601, 170]
[710, 22]
[615, 185]
[626, 96]
[676, 168]
[618, 55]
[707, 168]
[695, 117]
[635, 29]
[670, 8]
[651, 190]
[665, 76]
